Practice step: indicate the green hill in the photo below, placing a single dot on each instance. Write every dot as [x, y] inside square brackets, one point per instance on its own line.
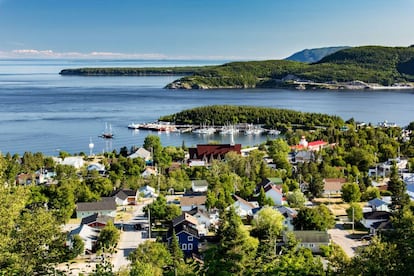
[314, 55]
[369, 64]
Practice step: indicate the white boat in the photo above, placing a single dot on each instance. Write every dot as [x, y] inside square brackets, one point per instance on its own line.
[253, 130]
[273, 132]
[134, 126]
[205, 130]
[225, 130]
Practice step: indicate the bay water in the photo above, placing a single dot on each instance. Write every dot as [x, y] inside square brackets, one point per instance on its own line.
[42, 111]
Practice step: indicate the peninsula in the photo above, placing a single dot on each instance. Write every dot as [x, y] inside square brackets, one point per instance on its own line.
[366, 67]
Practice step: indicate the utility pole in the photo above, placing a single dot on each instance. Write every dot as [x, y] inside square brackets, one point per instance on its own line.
[353, 220]
[149, 222]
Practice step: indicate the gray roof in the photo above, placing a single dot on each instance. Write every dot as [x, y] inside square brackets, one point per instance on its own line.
[86, 232]
[312, 236]
[200, 183]
[377, 202]
[104, 204]
[96, 218]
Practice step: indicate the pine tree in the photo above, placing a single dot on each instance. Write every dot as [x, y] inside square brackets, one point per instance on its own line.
[396, 186]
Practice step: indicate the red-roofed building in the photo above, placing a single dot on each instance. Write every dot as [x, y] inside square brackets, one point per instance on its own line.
[208, 152]
[313, 146]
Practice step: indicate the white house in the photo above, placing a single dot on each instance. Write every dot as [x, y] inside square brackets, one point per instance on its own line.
[147, 192]
[289, 215]
[96, 167]
[148, 172]
[274, 193]
[141, 153]
[379, 204]
[370, 220]
[243, 207]
[89, 236]
[74, 161]
[126, 197]
[199, 186]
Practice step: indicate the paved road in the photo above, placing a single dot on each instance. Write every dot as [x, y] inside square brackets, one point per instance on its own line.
[341, 238]
[130, 237]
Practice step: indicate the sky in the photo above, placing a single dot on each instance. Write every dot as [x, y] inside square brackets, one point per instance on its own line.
[197, 29]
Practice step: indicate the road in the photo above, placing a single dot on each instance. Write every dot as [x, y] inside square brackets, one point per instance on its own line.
[130, 237]
[342, 238]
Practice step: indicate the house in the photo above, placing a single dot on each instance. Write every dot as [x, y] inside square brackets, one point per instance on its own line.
[88, 235]
[147, 192]
[408, 179]
[74, 161]
[289, 215]
[275, 194]
[379, 204]
[96, 220]
[333, 186]
[185, 229]
[199, 186]
[106, 206]
[126, 197]
[25, 179]
[205, 220]
[209, 152]
[274, 181]
[310, 239]
[97, 167]
[385, 167]
[141, 153]
[148, 172]
[189, 202]
[243, 207]
[370, 220]
[303, 156]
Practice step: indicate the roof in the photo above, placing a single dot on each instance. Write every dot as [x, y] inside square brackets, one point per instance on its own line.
[96, 218]
[376, 202]
[272, 187]
[312, 236]
[237, 198]
[377, 215]
[286, 211]
[184, 228]
[85, 232]
[193, 200]
[103, 205]
[333, 184]
[184, 217]
[213, 151]
[141, 153]
[382, 225]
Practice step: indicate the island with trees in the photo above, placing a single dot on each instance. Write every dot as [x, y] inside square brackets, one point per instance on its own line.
[274, 210]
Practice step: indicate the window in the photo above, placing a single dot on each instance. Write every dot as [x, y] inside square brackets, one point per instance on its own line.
[184, 246]
[190, 238]
[190, 246]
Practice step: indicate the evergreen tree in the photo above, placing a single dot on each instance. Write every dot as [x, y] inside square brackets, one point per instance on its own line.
[396, 186]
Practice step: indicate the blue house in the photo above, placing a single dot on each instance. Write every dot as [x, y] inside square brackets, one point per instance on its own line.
[185, 228]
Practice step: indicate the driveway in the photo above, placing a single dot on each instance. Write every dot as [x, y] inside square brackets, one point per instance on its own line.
[342, 238]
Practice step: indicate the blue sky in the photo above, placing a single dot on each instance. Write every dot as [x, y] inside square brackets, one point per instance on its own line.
[213, 29]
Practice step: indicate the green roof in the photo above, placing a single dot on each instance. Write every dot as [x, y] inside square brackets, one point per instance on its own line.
[275, 180]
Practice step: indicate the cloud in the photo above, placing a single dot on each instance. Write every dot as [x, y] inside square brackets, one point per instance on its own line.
[34, 53]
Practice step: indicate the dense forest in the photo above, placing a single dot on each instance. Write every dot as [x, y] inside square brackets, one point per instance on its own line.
[371, 64]
[269, 117]
[126, 71]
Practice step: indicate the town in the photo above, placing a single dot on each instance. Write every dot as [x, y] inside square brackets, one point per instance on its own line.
[323, 199]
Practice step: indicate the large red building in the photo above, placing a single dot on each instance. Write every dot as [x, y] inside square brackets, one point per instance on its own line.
[209, 152]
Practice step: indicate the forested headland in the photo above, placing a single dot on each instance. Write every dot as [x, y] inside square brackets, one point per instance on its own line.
[352, 68]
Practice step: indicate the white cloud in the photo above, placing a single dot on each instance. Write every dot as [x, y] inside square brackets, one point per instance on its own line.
[34, 53]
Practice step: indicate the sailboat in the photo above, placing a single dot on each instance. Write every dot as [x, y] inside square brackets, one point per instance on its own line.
[107, 134]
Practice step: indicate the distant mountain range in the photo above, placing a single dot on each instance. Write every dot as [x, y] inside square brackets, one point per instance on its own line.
[314, 55]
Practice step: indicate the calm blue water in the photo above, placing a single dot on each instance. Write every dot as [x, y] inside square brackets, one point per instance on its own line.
[43, 111]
